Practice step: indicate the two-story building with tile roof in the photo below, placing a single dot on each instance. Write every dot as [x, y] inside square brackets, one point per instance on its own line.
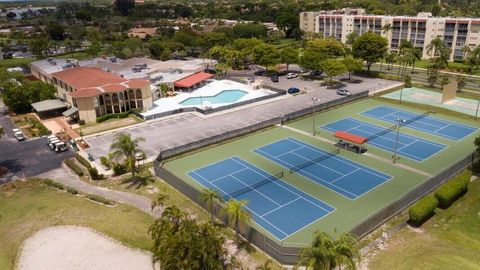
[95, 92]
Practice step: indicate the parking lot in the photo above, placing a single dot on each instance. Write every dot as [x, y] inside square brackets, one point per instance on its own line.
[179, 130]
[26, 158]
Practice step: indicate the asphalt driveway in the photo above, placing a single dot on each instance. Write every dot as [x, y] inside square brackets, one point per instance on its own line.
[27, 158]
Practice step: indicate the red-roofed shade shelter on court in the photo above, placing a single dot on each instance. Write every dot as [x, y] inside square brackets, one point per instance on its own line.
[193, 81]
[349, 140]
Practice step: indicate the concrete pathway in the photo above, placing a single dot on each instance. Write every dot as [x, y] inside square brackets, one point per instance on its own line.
[64, 176]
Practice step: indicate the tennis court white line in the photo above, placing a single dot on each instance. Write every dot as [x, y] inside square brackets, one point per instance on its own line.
[347, 161]
[226, 175]
[274, 159]
[345, 175]
[316, 163]
[289, 190]
[281, 206]
[251, 210]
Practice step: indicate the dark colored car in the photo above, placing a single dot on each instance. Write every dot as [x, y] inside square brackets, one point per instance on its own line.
[293, 90]
[274, 78]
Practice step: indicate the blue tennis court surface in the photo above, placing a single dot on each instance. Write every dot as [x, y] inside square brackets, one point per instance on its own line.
[346, 177]
[432, 125]
[409, 146]
[275, 205]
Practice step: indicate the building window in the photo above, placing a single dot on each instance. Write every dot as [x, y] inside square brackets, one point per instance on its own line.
[138, 94]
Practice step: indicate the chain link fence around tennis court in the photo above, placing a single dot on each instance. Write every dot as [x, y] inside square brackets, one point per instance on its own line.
[166, 153]
[286, 253]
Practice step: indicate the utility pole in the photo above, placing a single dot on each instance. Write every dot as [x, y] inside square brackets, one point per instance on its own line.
[314, 100]
[400, 122]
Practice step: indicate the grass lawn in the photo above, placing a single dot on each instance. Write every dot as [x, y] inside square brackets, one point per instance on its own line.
[27, 207]
[108, 125]
[15, 62]
[450, 240]
[285, 42]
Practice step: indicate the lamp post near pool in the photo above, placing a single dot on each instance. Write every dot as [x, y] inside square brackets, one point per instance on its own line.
[400, 122]
[313, 116]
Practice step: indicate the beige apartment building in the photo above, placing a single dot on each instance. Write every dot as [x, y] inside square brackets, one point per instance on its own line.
[420, 30]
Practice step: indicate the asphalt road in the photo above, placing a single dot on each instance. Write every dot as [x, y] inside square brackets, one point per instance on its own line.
[27, 158]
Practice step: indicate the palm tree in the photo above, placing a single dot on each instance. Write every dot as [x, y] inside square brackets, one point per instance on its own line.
[235, 211]
[160, 201]
[2, 131]
[125, 148]
[347, 251]
[265, 266]
[386, 29]
[209, 197]
[436, 45]
[327, 253]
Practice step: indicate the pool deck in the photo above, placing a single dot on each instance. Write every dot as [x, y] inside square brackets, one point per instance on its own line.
[211, 89]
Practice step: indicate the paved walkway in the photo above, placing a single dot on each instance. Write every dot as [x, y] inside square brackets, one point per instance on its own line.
[64, 176]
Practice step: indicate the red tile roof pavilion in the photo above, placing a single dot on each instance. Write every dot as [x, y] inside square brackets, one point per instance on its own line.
[350, 137]
[192, 80]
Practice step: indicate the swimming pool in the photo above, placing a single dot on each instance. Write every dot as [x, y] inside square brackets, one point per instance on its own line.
[226, 96]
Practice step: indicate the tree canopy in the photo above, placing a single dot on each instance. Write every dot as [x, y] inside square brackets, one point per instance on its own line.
[370, 47]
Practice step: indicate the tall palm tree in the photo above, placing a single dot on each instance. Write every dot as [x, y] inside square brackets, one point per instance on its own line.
[125, 148]
[320, 255]
[209, 197]
[236, 213]
[435, 46]
[265, 266]
[160, 201]
[327, 253]
[346, 251]
[386, 28]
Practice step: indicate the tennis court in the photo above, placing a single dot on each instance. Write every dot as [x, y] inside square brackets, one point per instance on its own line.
[409, 146]
[341, 175]
[432, 125]
[278, 207]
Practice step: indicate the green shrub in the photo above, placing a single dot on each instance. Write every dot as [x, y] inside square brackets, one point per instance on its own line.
[94, 174]
[83, 161]
[422, 210]
[71, 164]
[72, 191]
[476, 166]
[81, 122]
[106, 117]
[453, 189]
[105, 162]
[119, 169]
[99, 199]
[389, 77]
[54, 184]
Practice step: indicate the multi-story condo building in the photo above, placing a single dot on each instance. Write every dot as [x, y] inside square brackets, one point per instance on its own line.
[420, 30]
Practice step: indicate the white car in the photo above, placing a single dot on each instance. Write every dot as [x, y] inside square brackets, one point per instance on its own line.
[60, 147]
[343, 92]
[53, 143]
[292, 75]
[18, 135]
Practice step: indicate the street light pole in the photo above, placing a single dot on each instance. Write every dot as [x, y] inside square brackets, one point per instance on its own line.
[313, 115]
[478, 105]
[400, 122]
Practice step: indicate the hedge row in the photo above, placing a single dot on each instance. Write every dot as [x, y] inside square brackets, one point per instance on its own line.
[99, 199]
[75, 168]
[54, 184]
[422, 210]
[106, 117]
[443, 197]
[83, 161]
[453, 189]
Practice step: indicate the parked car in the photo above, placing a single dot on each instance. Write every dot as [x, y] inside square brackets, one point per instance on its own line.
[53, 143]
[60, 147]
[343, 92]
[18, 134]
[293, 90]
[274, 78]
[51, 138]
[292, 75]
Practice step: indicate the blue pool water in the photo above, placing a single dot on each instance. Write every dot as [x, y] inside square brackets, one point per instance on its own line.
[226, 96]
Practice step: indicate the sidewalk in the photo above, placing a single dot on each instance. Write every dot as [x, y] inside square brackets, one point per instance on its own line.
[64, 176]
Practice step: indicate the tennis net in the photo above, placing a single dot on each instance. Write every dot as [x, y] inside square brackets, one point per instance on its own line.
[314, 161]
[381, 133]
[255, 186]
[416, 118]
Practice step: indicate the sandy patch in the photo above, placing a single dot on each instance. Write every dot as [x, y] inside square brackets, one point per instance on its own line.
[78, 248]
